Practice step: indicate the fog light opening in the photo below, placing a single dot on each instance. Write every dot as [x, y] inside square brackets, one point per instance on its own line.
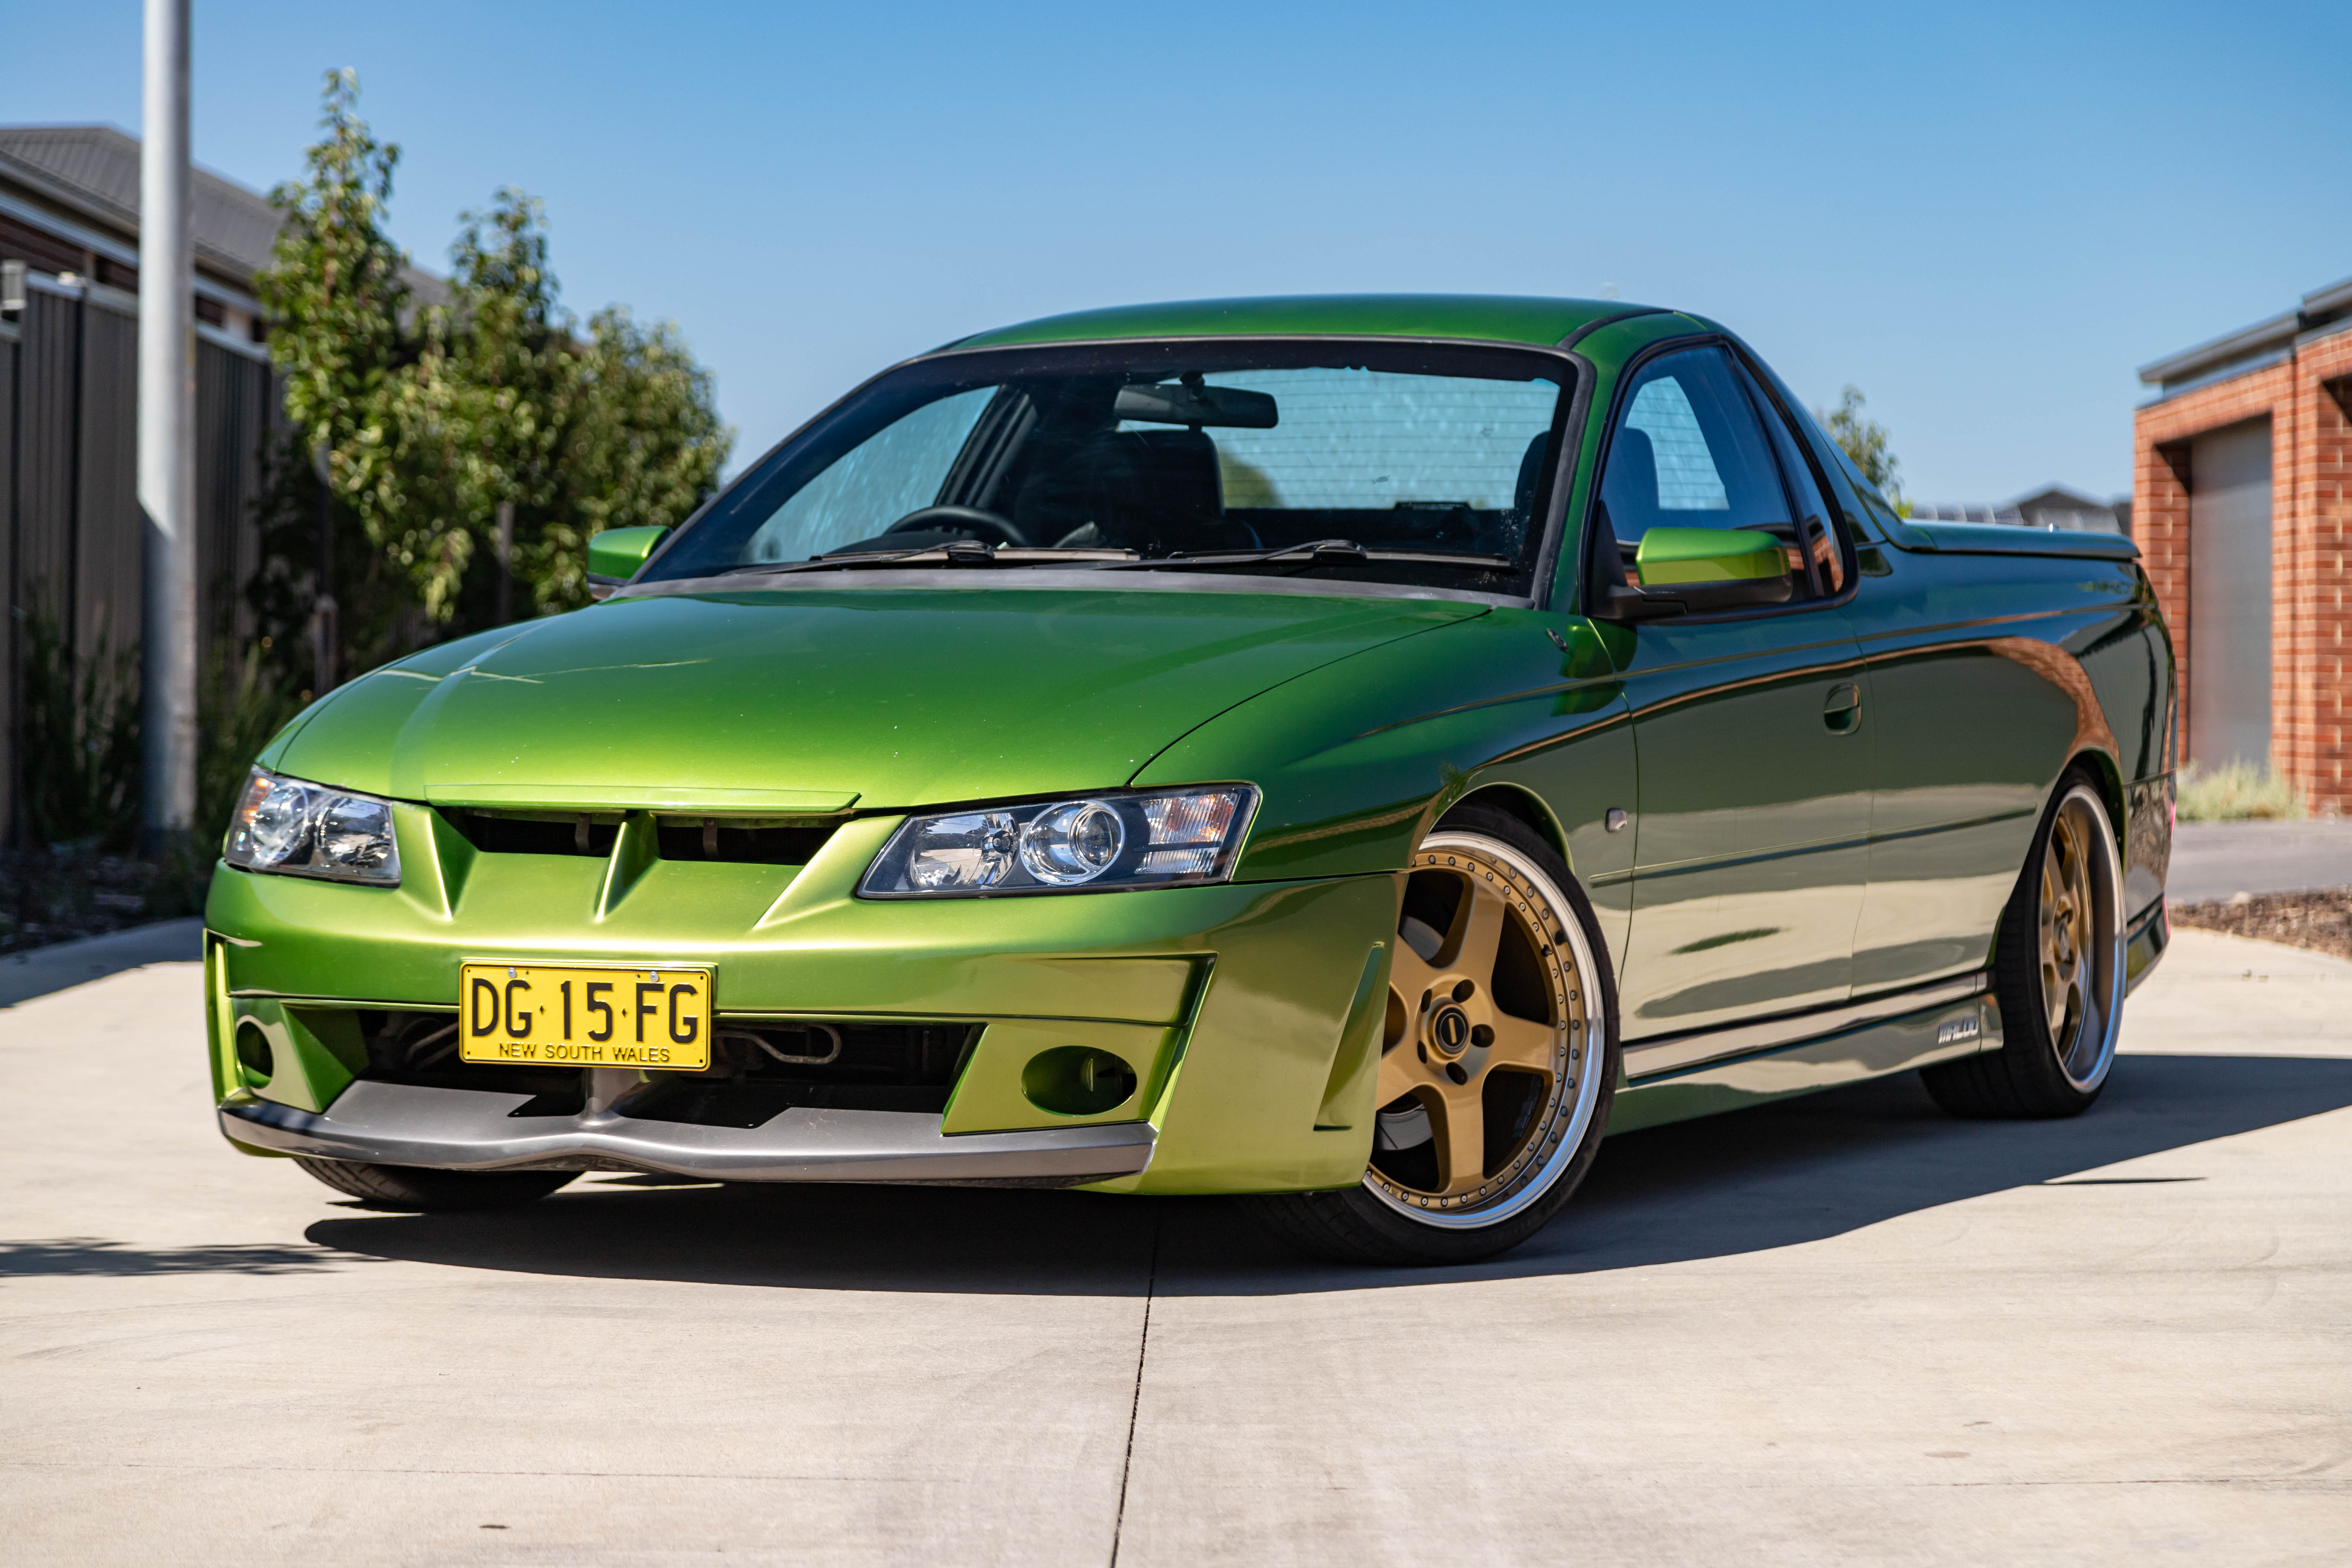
[1077, 1080]
[255, 1059]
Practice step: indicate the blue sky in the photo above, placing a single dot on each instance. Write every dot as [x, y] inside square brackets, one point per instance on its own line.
[1985, 217]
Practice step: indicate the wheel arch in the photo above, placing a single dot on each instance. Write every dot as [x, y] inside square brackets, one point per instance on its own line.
[1519, 802]
[2114, 793]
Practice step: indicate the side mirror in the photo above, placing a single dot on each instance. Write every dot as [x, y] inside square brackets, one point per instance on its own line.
[1693, 570]
[615, 555]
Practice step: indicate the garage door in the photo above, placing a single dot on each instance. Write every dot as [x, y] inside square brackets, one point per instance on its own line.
[2230, 595]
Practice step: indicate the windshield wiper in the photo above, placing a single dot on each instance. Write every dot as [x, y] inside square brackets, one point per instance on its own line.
[954, 552]
[1314, 553]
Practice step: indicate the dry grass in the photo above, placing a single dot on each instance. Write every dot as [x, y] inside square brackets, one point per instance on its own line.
[2235, 791]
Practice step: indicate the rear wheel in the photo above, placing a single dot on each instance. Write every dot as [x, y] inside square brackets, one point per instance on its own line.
[2058, 970]
[418, 1189]
[1498, 1058]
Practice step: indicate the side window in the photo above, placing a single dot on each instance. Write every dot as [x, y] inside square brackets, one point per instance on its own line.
[1690, 451]
[1817, 534]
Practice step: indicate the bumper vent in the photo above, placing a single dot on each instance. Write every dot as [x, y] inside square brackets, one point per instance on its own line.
[758, 1068]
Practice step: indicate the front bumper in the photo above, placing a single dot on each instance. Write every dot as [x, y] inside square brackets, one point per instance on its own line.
[1247, 1012]
[475, 1129]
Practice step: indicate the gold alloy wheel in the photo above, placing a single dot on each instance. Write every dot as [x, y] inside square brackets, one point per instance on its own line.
[2066, 921]
[1484, 1090]
[2071, 940]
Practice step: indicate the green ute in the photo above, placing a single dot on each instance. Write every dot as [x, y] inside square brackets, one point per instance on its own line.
[1352, 754]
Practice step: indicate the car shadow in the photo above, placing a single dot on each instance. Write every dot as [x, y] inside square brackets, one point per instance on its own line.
[1779, 1175]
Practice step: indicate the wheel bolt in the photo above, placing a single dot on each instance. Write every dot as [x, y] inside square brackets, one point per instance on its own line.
[1454, 1070]
[1463, 992]
[1482, 1036]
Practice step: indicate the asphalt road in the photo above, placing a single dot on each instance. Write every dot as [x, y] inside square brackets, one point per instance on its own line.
[2220, 859]
[1843, 1330]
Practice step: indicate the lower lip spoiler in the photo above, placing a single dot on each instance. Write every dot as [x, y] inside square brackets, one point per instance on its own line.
[472, 1129]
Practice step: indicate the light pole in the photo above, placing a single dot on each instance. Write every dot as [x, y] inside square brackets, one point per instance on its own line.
[167, 418]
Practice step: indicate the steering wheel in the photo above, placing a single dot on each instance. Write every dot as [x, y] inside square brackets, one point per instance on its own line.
[977, 521]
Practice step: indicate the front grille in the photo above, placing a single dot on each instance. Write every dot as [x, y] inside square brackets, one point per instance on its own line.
[759, 1069]
[421, 1048]
[758, 841]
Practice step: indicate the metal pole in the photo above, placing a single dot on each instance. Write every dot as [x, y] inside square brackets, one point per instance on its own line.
[167, 418]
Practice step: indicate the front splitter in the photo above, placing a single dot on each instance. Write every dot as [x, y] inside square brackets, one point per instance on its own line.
[475, 1129]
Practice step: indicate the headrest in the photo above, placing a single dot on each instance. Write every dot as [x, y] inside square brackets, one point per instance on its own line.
[1523, 497]
[1144, 487]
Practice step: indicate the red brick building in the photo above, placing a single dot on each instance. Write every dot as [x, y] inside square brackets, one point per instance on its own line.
[2241, 502]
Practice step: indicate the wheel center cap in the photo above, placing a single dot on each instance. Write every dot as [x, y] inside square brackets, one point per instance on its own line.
[1449, 1030]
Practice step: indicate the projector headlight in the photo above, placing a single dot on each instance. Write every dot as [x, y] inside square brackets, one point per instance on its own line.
[1178, 839]
[300, 829]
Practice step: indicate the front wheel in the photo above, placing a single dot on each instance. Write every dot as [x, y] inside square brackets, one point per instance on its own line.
[2058, 970]
[1498, 1058]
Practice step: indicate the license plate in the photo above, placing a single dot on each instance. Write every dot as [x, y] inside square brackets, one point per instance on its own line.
[563, 1015]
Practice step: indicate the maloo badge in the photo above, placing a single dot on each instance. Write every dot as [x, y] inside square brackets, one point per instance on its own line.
[1953, 1030]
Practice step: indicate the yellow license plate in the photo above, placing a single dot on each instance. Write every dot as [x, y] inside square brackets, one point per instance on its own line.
[564, 1015]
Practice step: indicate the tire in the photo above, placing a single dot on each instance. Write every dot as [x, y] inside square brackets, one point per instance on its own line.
[2058, 972]
[418, 1189]
[1518, 1050]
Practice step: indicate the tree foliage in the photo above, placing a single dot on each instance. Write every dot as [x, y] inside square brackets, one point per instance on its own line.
[430, 415]
[1865, 440]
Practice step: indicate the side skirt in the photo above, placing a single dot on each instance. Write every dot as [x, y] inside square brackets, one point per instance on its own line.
[1729, 1069]
[2145, 944]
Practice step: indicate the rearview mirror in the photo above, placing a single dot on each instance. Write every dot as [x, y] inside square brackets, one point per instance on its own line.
[615, 555]
[1166, 404]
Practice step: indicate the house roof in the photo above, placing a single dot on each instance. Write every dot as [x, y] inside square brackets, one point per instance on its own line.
[93, 172]
[2320, 312]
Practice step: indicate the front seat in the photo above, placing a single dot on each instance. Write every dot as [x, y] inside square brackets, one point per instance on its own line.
[1148, 491]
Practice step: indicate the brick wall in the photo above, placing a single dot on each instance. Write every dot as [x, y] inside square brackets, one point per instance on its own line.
[2309, 401]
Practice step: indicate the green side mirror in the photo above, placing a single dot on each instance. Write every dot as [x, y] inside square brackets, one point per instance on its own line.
[1671, 556]
[615, 555]
[1698, 572]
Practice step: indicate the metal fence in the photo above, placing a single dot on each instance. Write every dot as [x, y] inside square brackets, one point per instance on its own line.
[68, 482]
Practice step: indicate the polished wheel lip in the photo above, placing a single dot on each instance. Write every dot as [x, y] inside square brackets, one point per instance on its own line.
[2094, 878]
[1567, 1132]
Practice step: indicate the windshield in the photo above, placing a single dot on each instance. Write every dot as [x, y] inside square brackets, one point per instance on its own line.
[1407, 463]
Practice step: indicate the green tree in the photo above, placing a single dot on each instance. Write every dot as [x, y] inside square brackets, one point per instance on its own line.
[433, 416]
[1865, 440]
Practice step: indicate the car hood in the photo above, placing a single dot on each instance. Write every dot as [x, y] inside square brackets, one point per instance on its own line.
[813, 700]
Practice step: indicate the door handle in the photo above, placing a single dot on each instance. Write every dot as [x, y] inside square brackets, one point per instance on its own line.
[1842, 712]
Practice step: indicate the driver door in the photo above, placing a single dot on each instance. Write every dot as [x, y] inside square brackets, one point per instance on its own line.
[1752, 848]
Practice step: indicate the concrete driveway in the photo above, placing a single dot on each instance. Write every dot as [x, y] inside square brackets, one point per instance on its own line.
[1843, 1330]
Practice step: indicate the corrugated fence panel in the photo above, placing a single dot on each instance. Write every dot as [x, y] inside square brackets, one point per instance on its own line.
[233, 406]
[69, 487]
[51, 328]
[8, 631]
[108, 542]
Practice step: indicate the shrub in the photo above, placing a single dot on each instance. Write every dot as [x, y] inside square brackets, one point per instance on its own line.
[2236, 791]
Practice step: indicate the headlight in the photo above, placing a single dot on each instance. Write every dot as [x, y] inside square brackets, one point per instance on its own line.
[1175, 839]
[309, 830]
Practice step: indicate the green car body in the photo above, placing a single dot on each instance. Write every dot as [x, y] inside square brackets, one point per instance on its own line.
[1797, 826]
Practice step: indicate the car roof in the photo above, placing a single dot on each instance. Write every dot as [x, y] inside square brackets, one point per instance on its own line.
[1489, 318]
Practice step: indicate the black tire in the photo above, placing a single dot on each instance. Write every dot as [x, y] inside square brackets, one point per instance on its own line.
[1369, 1223]
[2041, 1072]
[419, 1190]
